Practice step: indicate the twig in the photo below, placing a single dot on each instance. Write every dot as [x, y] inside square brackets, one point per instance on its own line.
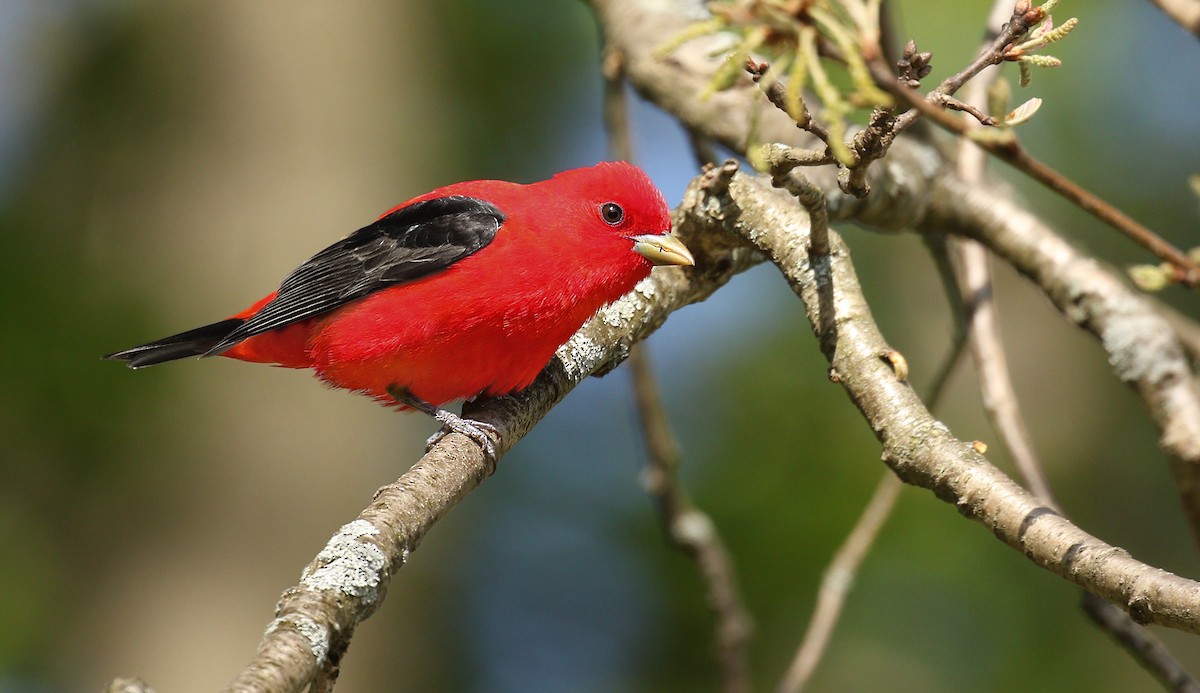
[867, 146]
[839, 576]
[784, 175]
[777, 95]
[1141, 345]
[836, 583]
[920, 449]
[996, 388]
[1187, 271]
[688, 527]
[966, 107]
[1010, 151]
[1144, 647]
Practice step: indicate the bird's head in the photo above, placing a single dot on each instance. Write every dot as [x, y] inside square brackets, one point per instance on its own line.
[626, 208]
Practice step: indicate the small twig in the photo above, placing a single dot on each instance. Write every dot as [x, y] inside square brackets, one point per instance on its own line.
[965, 107]
[777, 95]
[1000, 399]
[686, 525]
[837, 581]
[1010, 151]
[995, 382]
[839, 576]
[1144, 647]
[691, 530]
[1188, 272]
[867, 146]
[781, 162]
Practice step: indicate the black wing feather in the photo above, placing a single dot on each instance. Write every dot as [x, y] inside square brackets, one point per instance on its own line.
[177, 346]
[407, 244]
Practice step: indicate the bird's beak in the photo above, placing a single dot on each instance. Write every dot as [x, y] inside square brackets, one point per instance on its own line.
[664, 249]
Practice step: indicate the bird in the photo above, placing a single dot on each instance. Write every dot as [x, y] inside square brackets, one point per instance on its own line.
[463, 292]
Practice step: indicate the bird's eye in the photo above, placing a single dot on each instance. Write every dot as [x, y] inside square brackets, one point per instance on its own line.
[611, 213]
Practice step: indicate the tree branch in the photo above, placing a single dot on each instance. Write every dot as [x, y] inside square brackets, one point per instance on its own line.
[836, 582]
[1142, 346]
[902, 197]
[1185, 13]
[918, 447]
[1000, 397]
[687, 526]
[349, 578]
[691, 530]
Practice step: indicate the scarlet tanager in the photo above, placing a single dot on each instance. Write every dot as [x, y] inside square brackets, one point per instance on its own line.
[464, 291]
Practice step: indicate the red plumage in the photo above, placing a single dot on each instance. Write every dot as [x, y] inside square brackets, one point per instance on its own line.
[467, 294]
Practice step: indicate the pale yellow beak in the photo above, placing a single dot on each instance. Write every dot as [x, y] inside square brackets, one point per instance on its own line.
[663, 249]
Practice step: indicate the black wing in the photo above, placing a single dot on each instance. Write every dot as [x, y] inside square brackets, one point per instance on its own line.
[407, 244]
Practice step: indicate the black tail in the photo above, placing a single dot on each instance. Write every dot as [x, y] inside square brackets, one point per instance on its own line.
[195, 342]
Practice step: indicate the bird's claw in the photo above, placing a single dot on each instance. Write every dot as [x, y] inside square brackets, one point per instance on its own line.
[484, 434]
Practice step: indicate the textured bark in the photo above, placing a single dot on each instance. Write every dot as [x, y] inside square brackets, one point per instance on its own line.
[918, 447]
[732, 221]
[347, 581]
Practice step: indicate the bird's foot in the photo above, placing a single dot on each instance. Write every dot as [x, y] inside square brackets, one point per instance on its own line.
[485, 435]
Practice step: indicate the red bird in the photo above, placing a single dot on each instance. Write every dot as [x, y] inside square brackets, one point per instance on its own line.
[464, 291]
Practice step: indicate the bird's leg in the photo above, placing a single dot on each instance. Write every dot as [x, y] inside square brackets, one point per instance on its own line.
[484, 434]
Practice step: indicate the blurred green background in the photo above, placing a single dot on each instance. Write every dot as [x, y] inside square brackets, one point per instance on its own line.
[164, 164]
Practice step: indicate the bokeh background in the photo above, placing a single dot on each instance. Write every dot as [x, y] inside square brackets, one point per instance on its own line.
[164, 164]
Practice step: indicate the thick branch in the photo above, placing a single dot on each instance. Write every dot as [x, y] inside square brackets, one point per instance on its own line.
[347, 581]
[1185, 13]
[918, 447]
[1142, 346]
[901, 199]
